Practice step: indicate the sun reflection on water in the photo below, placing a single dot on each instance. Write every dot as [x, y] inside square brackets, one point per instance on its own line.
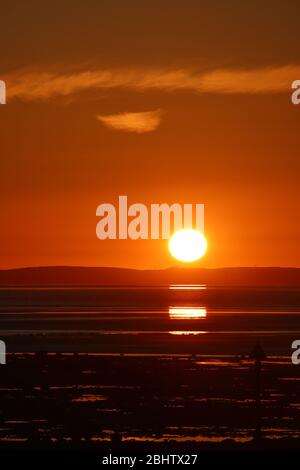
[187, 287]
[187, 332]
[187, 313]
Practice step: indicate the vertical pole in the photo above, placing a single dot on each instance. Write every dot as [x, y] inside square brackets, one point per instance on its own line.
[258, 400]
[258, 355]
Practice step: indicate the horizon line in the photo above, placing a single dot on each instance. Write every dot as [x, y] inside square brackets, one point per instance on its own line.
[143, 269]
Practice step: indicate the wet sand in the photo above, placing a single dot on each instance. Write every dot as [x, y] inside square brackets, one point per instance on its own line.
[89, 399]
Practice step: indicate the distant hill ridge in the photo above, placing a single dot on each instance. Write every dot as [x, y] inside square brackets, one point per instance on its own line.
[84, 276]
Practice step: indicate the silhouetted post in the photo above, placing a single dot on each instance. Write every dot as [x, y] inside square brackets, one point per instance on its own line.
[258, 355]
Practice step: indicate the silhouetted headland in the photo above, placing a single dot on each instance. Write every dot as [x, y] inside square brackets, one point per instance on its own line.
[105, 276]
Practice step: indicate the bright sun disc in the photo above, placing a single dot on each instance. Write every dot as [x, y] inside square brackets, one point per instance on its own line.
[187, 245]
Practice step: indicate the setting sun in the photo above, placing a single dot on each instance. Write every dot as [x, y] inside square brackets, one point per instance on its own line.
[187, 245]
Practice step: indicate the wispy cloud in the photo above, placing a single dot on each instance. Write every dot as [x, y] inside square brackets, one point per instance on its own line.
[263, 80]
[133, 122]
[41, 86]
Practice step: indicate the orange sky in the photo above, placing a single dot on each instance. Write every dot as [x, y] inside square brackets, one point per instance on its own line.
[203, 90]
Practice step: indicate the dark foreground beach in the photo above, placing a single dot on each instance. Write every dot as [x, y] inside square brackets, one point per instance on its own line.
[87, 400]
